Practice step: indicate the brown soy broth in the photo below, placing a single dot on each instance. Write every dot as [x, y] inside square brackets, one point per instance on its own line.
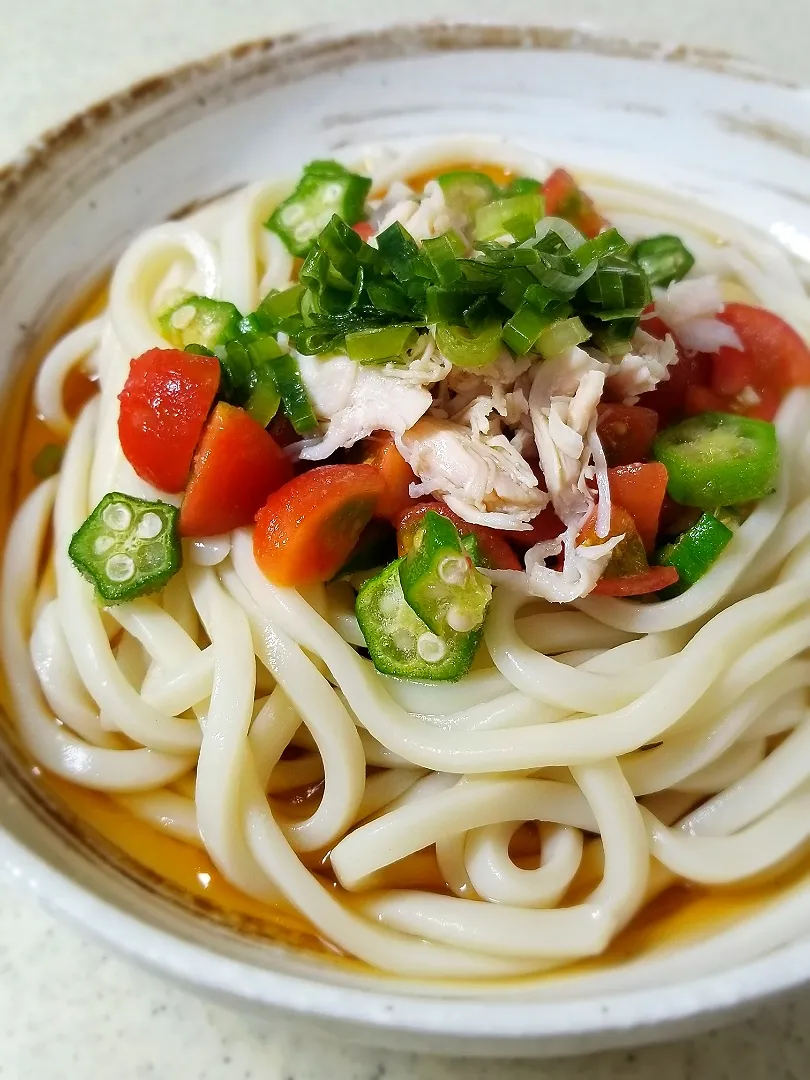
[681, 913]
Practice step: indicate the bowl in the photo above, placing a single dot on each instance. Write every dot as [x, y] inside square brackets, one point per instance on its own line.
[715, 129]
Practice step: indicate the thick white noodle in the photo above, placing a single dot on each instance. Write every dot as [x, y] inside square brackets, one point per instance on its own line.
[201, 711]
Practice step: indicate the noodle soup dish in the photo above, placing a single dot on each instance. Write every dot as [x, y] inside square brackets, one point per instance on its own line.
[413, 556]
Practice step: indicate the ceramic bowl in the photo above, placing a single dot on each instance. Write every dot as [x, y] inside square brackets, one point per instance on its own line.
[717, 131]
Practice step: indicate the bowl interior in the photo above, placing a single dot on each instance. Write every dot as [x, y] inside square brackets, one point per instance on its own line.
[734, 141]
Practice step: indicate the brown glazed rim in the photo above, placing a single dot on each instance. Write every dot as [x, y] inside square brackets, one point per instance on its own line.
[275, 61]
[320, 49]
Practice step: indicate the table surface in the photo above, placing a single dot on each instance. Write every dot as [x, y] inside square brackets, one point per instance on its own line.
[68, 1008]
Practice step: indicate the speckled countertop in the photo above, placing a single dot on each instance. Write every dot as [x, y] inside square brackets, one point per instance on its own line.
[70, 1010]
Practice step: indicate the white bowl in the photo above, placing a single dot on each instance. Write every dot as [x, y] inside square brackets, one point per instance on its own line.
[734, 140]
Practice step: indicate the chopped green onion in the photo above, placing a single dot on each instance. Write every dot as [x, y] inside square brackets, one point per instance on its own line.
[447, 304]
[515, 285]
[294, 396]
[468, 350]
[618, 283]
[610, 242]
[493, 220]
[263, 398]
[561, 337]
[389, 298]
[614, 338]
[482, 313]
[234, 361]
[278, 306]
[664, 258]
[342, 246]
[263, 349]
[542, 298]
[523, 329]
[380, 343]
[250, 328]
[443, 253]
[557, 273]
[400, 252]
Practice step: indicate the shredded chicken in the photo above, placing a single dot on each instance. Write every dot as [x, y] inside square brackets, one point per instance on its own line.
[643, 368]
[482, 479]
[563, 400]
[489, 399]
[423, 216]
[582, 567]
[357, 400]
[690, 308]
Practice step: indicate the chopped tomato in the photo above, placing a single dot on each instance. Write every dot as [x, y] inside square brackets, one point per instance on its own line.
[282, 430]
[236, 466]
[364, 229]
[653, 324]
[628, 573]
[494, 548]
[546, 526]
[626, 432]
[773, 359]
[628, 559]
[307, 528]
[564, 199]
[699, 399]
[164, 403]
[380, 451]
[670, 398]
[651, 580]
[640, 490]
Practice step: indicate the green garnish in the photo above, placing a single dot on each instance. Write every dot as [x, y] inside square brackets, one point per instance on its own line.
[664, 259]
[127, 547]
[325, 188]
[719, 459]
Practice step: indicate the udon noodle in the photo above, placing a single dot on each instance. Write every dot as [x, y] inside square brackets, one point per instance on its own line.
[642, 743]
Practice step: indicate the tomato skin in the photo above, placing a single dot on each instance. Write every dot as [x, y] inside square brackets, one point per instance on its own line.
[546, 526]
[164, 404]
[652, 580]
[284, 434]
[773, 360]
[493, 546]
[307, 529]
[364, 229]
[380, 451]
[626, 432]
[236, 466]
[640, 489]
[566, 200]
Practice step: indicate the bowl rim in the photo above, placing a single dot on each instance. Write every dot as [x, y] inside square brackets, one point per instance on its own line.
[495, 1017]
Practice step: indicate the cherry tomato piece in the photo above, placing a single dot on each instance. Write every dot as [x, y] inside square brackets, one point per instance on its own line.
[164, 404]
[307, 529]
[236, 466]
